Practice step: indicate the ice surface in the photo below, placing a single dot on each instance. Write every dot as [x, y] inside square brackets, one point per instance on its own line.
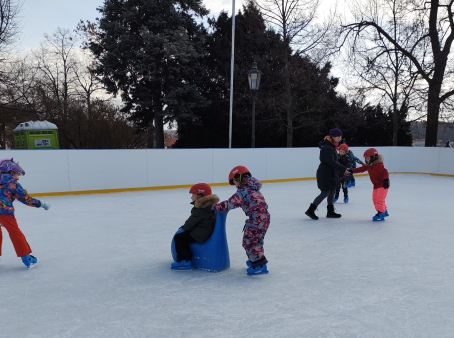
[104, 268]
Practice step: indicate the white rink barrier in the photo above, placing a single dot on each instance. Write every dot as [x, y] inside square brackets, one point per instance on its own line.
[61, 172]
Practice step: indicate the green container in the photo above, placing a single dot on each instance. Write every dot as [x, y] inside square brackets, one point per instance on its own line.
[36, 135]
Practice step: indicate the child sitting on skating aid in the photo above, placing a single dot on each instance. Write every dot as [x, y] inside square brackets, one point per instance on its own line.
[11, 190]
[249, 198]
[197, 228]
[379, 177]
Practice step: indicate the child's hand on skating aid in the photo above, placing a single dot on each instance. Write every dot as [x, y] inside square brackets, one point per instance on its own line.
[386, 183]
[45, 205]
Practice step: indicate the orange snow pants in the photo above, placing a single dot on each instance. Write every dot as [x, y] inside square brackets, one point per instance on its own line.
[15, 234]
[379, 199]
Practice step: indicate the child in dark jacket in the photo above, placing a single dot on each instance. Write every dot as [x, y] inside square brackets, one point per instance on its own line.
[249, 198]
[344, 160]
[11, 190]
[379, 177]
[197, 228]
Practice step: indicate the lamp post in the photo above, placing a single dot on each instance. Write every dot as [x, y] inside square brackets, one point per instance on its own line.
[254, 77]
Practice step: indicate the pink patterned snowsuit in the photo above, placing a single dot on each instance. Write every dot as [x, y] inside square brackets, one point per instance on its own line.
[251, 200]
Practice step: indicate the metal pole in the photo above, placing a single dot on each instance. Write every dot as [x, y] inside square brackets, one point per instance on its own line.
[232, 59]
[253, 119]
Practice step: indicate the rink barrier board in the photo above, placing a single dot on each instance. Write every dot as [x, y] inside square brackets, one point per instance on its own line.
[187, 186]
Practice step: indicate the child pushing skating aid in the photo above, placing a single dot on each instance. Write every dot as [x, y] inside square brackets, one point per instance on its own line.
[249, 198]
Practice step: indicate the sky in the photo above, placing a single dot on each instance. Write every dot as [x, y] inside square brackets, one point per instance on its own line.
[45, 16]
[104, 268]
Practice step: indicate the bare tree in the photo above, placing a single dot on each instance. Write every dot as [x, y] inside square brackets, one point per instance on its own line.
[9, 23]
[431, 34]
[296, 21]
[379, 70]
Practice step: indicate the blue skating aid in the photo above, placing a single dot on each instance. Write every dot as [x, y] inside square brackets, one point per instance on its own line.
[213, 254]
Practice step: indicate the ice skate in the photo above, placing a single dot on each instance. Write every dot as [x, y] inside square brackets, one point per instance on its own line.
[29, 260]
[257, 270]
[380, 216]
[346, 199]
[183, 265]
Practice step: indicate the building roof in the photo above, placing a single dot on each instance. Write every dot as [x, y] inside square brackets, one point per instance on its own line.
[35, 125]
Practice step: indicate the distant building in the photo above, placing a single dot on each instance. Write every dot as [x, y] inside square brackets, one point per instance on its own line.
[170, 137]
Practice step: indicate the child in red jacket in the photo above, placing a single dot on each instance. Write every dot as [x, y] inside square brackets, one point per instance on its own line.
[379, 177]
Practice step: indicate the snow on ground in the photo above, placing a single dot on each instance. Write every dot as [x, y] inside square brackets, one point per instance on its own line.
[103, 268]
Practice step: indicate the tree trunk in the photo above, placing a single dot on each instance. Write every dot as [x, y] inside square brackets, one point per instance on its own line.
[288, 102]
[433, 111]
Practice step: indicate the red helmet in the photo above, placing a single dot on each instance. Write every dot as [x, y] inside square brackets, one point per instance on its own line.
[200, 189]
[370, 152]
[238, 170]
[343, 146]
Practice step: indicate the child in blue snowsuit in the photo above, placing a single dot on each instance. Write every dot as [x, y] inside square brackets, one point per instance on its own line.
[354, 160]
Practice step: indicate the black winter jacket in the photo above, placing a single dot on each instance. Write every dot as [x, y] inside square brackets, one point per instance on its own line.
[329, 169]
[203, 218]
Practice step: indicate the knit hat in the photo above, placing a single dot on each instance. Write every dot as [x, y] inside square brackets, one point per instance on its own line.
[335, 132]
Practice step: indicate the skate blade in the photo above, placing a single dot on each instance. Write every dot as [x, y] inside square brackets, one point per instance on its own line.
[31, 266]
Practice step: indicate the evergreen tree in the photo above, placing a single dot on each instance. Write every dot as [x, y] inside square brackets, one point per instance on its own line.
[148, 51]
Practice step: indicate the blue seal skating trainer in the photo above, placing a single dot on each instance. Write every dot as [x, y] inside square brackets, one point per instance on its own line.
[257, 270]
[380, 216]
[183, 265]
[29, 261]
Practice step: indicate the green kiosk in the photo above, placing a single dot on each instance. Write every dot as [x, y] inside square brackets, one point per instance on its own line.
[36, 135]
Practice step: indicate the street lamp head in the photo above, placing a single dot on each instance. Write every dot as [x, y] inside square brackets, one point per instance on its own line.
[254, 77]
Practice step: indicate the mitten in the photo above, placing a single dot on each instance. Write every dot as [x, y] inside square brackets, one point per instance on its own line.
[386, 183]
[45, 205]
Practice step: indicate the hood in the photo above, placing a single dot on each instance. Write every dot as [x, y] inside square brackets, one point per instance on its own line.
[206, 201]
[5, 178]
[253, 183]
[378, 160]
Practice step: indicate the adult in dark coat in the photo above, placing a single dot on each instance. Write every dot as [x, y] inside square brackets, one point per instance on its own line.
[198, 227]
[327, 174]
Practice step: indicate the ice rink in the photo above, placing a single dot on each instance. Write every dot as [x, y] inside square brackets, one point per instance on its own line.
[104, 267]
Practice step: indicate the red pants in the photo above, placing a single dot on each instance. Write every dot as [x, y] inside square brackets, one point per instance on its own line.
[15, 234]
[379, 199]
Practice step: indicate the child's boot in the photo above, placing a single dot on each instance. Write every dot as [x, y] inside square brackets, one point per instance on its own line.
[349, 184]
[311, 211]
[380, 216]
[346, 199]
[257, 270]
[352, 183]
[183, 265]
[331, 213]
[29, 261]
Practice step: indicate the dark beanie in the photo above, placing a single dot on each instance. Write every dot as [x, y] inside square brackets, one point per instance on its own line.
[335, 132]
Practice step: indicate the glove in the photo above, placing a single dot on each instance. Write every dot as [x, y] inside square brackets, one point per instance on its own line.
[386, 183]
[45, 205]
